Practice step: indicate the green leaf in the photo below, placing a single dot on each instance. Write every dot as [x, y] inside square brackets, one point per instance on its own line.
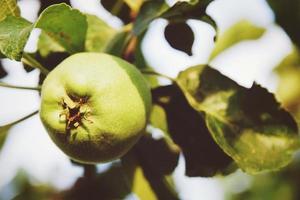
[203, 157]
[288, 17]
[193, 9]
[47, 45]
[99, 34]
[98, 37]
[9, 7]
[64, 25]
[243, 30]
[163, 150]
[182, 30]
[149, 11]
[14, 33]
[248, 124]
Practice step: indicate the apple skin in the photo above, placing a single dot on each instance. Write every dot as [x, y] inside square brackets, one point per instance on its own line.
[95, 106]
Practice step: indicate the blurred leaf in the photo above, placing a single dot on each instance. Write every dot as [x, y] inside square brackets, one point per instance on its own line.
[47, 45]
[180, 36]
[105, 186]
[64, 25]
[243, 30]
[288, 91]
[14, 32]
[266, 187]
[203, 157]
[139, 59]
[273, 186]
[21, 188]
[158, 118]
[98, 34]
[248, 124]
[163, 151]
[288, 17]
[136, 179]
[118, 8]
[9, 7]
[117, 44]
[145, 182]
[3, 73]
[134, 4]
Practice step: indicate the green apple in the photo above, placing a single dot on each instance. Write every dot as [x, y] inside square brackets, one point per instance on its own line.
[95, 106]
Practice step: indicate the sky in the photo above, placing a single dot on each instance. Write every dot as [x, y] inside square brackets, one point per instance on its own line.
[29, 147]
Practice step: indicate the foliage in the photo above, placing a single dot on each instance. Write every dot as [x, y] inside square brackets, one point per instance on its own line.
[216, 124]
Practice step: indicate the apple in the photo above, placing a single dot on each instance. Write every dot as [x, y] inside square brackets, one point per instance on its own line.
[95, 106]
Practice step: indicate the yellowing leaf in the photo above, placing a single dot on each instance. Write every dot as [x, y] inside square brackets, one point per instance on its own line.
[135, 176]
[288, 91]
[243, 30]
[46, 45]
[14, 33]
[9, 7]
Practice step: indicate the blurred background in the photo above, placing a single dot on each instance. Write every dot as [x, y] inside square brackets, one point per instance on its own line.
[30, 164]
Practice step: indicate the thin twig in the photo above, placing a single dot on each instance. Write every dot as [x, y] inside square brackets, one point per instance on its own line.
[22, 119]
[153, 73]
[32, 62]
[38, 88]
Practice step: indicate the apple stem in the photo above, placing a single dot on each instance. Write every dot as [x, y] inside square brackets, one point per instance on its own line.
[38, 88]
[153, 73]
[32, 62]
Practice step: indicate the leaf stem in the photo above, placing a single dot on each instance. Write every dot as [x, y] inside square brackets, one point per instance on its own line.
[38, 88]
[153, 73]
[32, 62]
[22, 119]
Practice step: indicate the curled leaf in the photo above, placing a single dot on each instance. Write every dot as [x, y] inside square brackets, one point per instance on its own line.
[248, 124]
